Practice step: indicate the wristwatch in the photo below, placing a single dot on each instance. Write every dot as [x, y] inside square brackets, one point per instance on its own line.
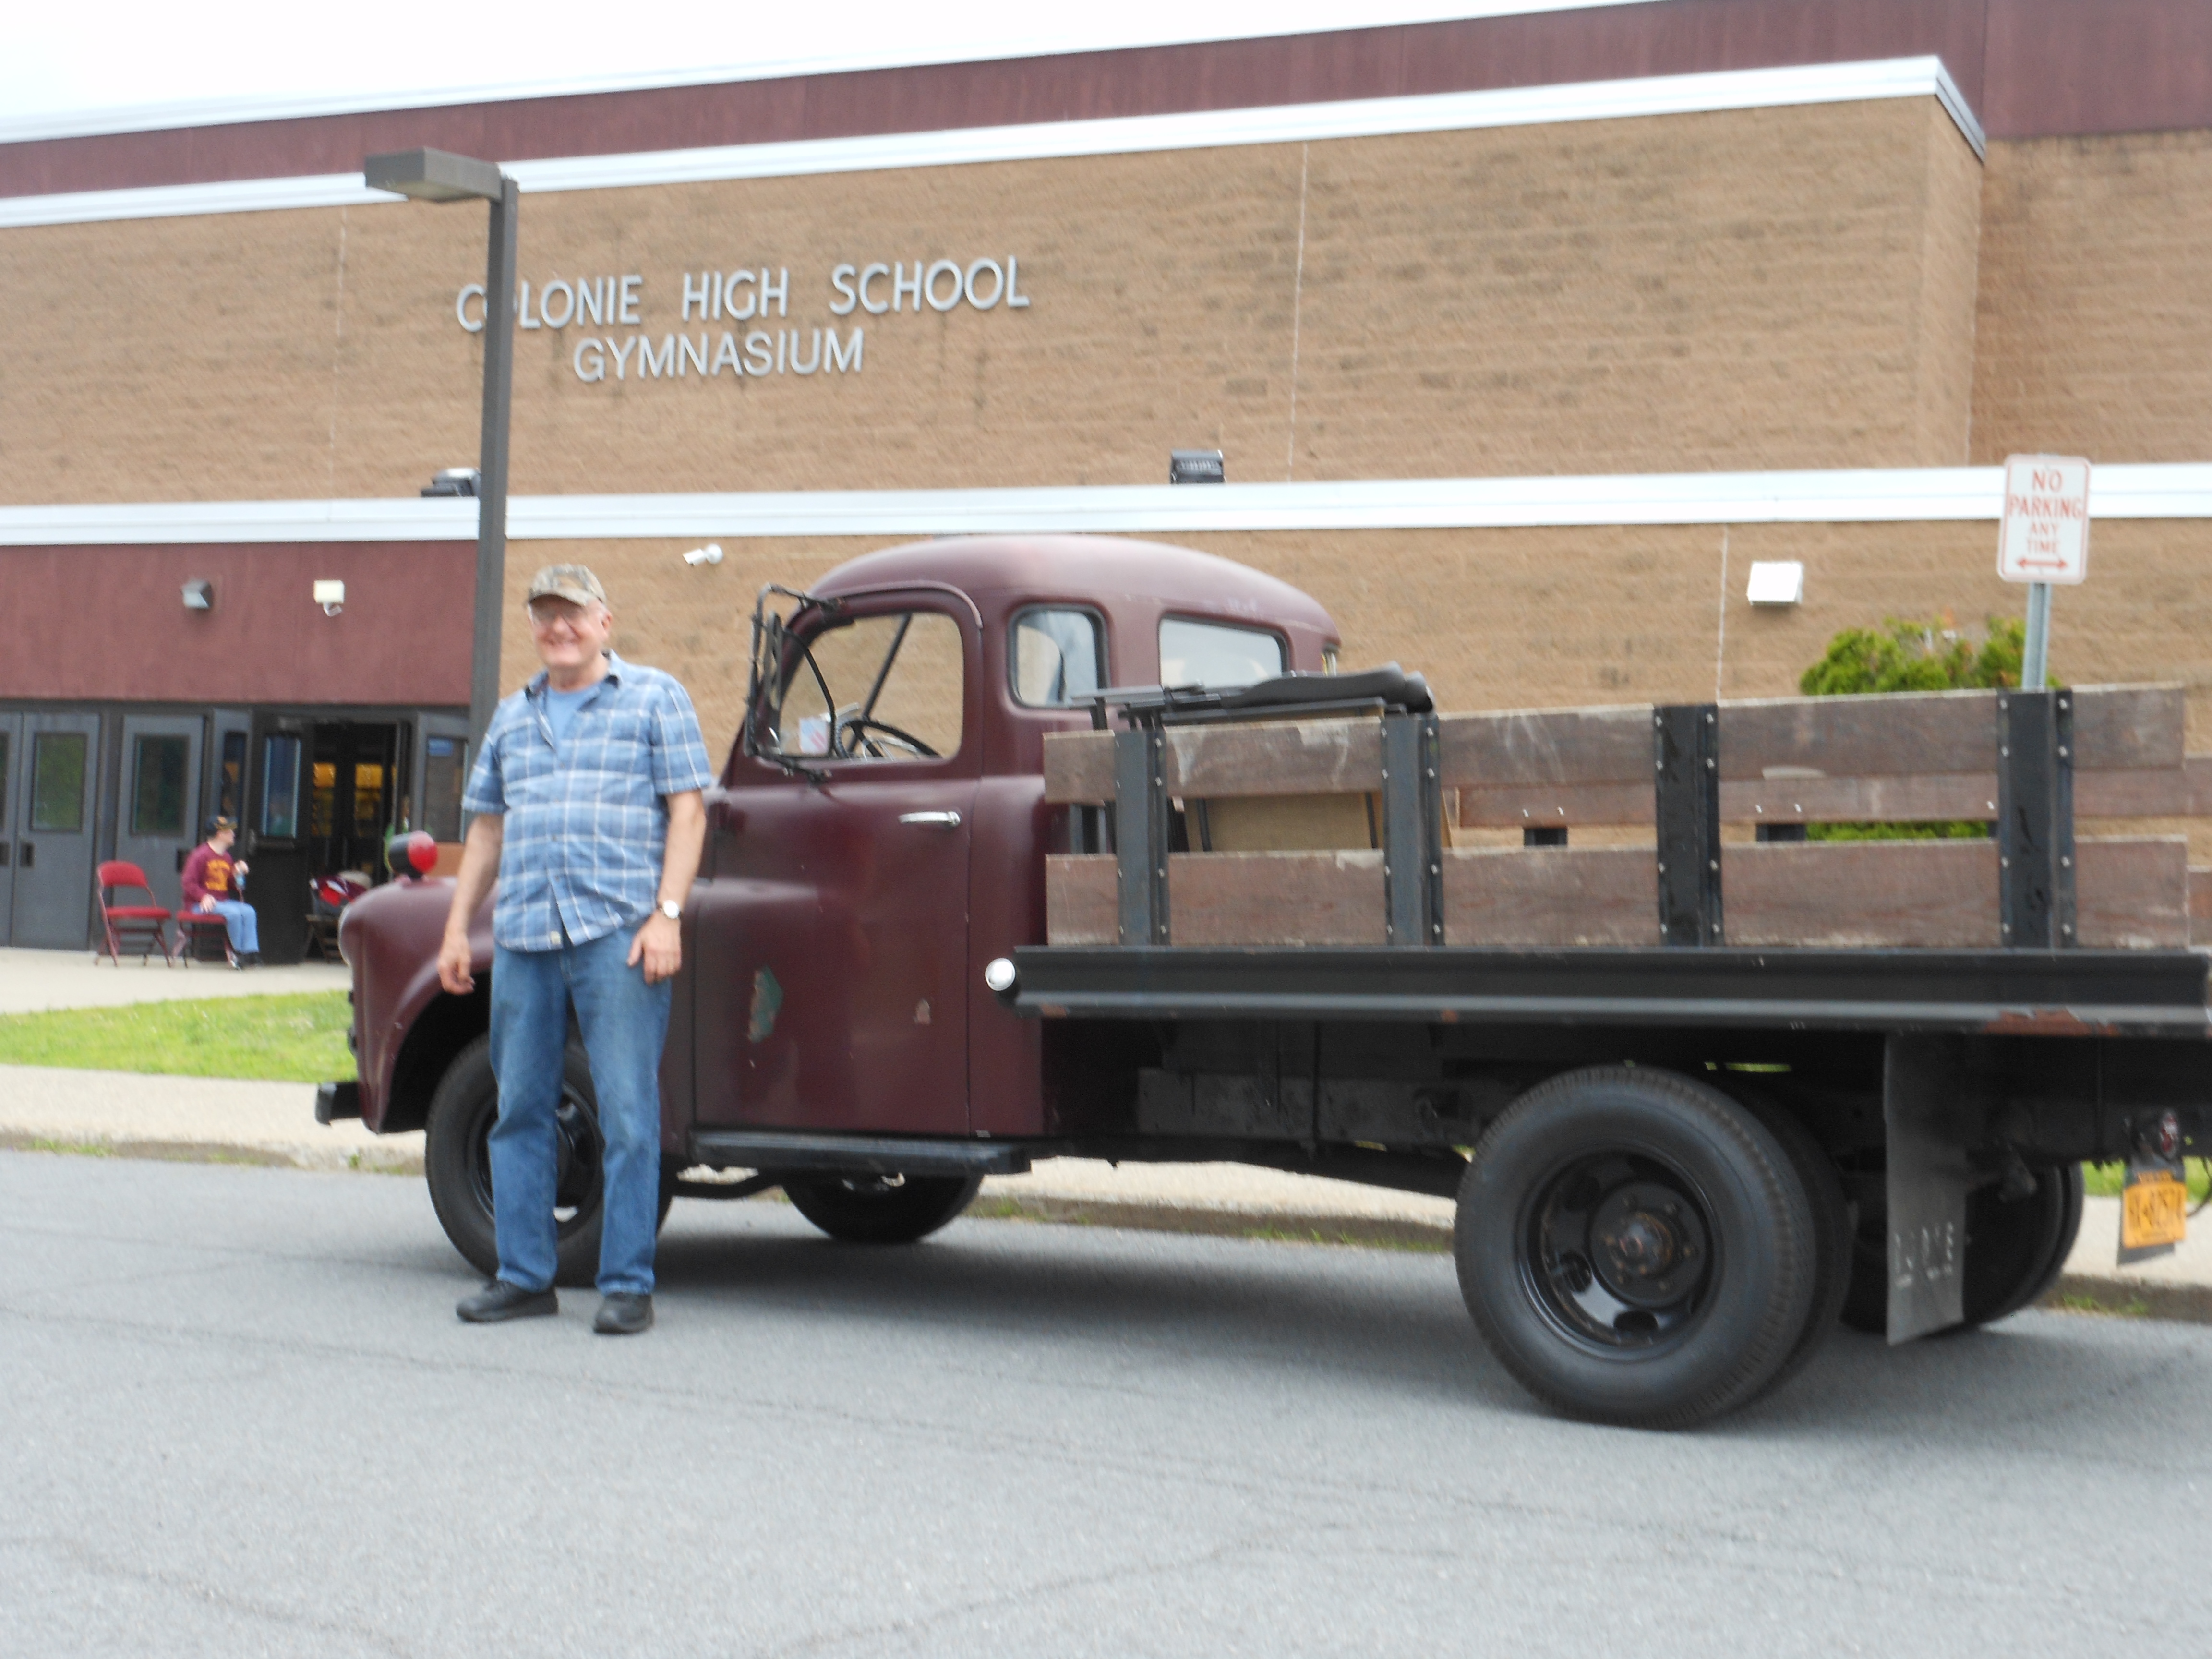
[671, 908]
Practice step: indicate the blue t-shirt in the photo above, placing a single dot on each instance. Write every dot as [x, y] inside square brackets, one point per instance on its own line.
[561, 708]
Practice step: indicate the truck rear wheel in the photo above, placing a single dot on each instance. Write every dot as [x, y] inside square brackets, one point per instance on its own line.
[1833, 1228]
[881, 1209]
[1635, 1248]
[2015, 1251]
[457, 1162]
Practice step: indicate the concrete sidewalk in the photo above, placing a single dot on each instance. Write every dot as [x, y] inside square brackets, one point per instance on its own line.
[33, 982]
[129, 1114]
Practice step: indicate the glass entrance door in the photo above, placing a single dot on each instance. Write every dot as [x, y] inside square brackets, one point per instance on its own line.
[155, 823]
[11, 796]
[55, 769]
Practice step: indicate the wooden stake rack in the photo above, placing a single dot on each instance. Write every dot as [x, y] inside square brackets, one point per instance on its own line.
[1676, 789]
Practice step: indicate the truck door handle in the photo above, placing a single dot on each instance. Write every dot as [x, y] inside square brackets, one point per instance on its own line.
[935, 820]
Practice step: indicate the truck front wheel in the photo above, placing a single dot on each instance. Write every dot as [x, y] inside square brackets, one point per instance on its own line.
[457, 1160]
[1635, 1248]
[881, 1209]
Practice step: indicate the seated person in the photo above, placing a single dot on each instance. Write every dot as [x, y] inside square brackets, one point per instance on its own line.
[214, 883]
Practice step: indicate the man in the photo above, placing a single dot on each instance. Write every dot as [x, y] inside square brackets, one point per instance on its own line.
[586, 809]
[212, 884]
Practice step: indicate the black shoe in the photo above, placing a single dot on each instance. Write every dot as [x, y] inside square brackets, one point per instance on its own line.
[623, 1312]
[500, 1300]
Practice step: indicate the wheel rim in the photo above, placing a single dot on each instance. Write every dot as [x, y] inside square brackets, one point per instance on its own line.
[1618, 1252]
[578, 1151]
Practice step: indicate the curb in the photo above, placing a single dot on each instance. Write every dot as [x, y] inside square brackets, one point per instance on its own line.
[373, 1161]
[2075, 1293]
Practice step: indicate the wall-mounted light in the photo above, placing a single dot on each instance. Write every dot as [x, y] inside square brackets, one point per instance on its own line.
[710, 554]
[454, 481]
[199, 595]
[1781, 582]
[330, 596]
[1196, 466]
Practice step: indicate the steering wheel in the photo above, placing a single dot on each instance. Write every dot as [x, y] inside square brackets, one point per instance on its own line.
[861, 733]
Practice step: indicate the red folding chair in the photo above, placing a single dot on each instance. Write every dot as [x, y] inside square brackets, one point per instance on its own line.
[143, 926]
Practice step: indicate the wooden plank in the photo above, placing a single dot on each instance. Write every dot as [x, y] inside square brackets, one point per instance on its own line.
[1274, 757]
[1516, 806]
[1551, 895]
[2197, 768]
[1227, 898]
[1276, 898]
[1078, 766]
[1841, 894]
[1884, 736]
[1921, 798]
[1079, 899]
[2120, 728]
[1547, 747]
[2132, 892]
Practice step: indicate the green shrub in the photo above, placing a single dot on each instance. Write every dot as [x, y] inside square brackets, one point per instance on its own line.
[1913, 656]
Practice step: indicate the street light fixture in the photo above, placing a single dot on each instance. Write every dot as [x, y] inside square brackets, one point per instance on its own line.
[437, 175]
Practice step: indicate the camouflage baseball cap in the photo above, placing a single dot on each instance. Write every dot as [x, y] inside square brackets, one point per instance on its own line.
[571, 582]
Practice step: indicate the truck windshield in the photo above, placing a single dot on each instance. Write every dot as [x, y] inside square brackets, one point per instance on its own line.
[877, 688]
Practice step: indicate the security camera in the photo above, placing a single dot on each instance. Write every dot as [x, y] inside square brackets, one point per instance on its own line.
[709, 554]
[330, 596]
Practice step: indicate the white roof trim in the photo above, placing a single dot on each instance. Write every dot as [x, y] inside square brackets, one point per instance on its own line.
[1365, 117]
[1923, 495]
[280, 107]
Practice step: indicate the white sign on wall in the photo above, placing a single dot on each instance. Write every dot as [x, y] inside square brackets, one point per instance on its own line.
[2045, 535]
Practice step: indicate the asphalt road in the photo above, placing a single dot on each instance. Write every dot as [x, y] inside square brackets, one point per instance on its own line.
[237, 1417]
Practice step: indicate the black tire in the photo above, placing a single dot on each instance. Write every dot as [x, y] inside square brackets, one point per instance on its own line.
[1834, 1227]
[881, 1209]
[2015, 1251]
[456, 1161]
[1635, 1248]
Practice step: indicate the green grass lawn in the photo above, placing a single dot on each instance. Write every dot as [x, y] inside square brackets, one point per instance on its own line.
[2106, 1180]
[289, 1039]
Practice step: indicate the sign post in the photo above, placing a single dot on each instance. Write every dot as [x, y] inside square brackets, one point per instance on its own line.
[2043, 540]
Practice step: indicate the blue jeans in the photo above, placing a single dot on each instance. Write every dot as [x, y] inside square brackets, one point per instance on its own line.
[625, 1025]
[244, 926]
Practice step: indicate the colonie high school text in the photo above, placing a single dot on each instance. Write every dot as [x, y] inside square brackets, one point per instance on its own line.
[739, 295]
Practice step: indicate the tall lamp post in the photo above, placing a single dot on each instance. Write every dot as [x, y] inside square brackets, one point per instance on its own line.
[437, 175]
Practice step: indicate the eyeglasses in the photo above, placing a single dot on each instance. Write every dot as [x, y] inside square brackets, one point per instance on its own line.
[544, 619]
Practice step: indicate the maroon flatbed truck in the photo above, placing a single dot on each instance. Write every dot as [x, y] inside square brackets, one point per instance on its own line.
[1041, 846]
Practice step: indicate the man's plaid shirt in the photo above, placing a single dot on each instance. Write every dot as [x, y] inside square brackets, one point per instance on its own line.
[586, 823]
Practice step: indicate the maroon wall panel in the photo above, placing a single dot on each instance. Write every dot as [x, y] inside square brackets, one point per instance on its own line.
[1605, 43]
[2029, 67]
[108, 623]
[2083, 66]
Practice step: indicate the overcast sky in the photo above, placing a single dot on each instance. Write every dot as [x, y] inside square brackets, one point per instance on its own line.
[64, 64]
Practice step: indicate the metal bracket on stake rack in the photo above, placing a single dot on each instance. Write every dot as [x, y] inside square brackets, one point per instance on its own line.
[2035, 819]
[1412, 835]
[1686, 747]
[1141, 833]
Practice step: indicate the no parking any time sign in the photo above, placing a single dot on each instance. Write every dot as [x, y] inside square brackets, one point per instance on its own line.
[2046, 537]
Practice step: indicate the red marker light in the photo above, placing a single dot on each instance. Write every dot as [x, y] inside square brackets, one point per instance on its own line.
[414, 854]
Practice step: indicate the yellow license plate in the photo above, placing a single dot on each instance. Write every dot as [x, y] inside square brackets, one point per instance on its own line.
[2154, 1211]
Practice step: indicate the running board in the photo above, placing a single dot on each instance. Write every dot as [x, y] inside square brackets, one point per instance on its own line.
[785, 1149]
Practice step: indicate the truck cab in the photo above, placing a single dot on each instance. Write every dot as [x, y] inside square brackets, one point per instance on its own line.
[878, 835]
